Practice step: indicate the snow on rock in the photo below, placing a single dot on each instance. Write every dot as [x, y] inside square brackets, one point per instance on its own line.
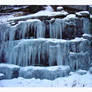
[60, 28]
[60, 8]
[49, 73]
[81, 72]
[82, 14]
[75, 80]
[71, 16]
[9, 70]
[41, 14]
[87, 36]
[2, 76]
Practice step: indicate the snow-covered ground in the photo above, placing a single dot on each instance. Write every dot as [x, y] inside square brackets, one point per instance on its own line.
[74, 80]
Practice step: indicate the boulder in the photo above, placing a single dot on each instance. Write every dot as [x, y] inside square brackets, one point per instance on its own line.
[2, 76]
[50, 73]
[9, 70]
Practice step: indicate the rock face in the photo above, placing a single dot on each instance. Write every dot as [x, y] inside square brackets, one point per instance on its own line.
[50, 73]
[77, 7]
[9, 70]
[47, 39]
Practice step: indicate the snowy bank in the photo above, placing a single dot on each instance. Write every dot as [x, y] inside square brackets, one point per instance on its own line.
[75, 80]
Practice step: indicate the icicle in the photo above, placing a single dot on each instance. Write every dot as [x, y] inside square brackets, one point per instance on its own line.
[56, 29]
[86, 25]
[59, 55]
[52, 55]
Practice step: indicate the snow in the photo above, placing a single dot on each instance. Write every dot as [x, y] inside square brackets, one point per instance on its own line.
[74, 80]
[82, 13]
[50, 68]
[1, 74]
[50, 73]
[60, 8]
[5, 18]
[46, 13]
[88, 35]
[70, 16]
[8, 65]
[81, 72]
[77, 39]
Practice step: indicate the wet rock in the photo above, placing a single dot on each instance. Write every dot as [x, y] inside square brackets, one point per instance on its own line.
[50, 73]
[10, 71]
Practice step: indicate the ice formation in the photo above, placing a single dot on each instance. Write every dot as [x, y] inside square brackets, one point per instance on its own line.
[46, 40]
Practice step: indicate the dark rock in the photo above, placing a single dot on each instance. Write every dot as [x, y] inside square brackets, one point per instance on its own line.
[87, 36]
[77, 7]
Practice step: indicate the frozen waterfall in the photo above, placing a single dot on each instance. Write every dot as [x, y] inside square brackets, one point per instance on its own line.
[46, 42]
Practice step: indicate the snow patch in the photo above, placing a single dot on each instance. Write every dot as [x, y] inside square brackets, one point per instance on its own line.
[75, 80]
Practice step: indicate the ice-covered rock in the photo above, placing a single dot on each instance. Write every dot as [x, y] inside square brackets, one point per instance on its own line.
[2, 76]
[90, 70]
[46, 52]
[83, 14]
[55, 27]
[81, 72]
[35, 51]
[50, 73]
[79, 45]
[9, 70]
[79, 61]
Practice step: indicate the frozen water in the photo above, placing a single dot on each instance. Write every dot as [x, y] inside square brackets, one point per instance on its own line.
[49, 73]
[75, 80]
[9, 70]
